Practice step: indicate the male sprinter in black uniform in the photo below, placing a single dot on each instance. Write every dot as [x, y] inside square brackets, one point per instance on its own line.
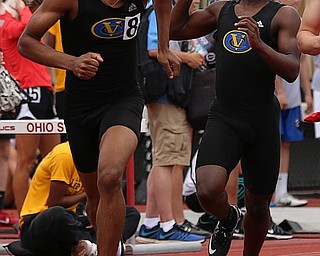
[256, 40]
[103, 104]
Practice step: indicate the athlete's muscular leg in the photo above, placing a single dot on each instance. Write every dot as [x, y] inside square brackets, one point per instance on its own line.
[256, 222]
[211, 183]
[116, 147]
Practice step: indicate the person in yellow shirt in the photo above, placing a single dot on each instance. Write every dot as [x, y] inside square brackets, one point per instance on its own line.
[48, 222]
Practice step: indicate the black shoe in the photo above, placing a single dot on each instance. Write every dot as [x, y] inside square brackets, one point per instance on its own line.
[207, 222]
[220, 241]
[193, 229]
[277, 232]
[239, 231]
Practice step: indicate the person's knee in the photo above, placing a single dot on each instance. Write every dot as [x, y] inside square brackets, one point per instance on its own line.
[257, 207]
[210, 186]
[27, 162]
[109, 179]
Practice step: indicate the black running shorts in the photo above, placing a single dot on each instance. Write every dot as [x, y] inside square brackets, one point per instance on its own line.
[85, 132]
[254, 138]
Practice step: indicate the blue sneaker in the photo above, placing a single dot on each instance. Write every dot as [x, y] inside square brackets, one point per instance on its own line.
[177, 234]
[148, 235]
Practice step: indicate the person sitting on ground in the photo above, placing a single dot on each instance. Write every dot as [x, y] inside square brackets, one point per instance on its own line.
[48, 222]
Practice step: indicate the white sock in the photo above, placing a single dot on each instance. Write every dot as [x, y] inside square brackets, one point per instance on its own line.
[282, 186]
[151, 222]
[166, 226]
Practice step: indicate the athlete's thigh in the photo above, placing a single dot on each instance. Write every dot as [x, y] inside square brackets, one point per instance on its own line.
[220, 145]
[261, 159]
[119, 132]
[84, 144]
[126, 112]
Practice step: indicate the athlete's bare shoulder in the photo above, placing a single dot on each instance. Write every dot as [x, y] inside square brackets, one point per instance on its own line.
[67, 9]
[215, 7]
[288, 17]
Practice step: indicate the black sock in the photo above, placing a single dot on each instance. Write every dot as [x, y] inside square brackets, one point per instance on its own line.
[2, 200]
[231, 220]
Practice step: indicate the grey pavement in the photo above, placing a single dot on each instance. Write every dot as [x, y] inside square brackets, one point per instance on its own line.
[307, 217]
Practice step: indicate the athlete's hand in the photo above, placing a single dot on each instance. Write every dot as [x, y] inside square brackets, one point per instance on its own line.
[86, 66]
[170, 61]
[249, 25]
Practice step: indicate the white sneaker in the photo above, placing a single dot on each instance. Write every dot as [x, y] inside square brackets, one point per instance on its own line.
[84, 248]
[289, 200]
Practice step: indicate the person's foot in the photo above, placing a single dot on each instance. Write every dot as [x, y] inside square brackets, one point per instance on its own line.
[289, 200]
[191, 228]
[148, 235]
[276, 232]
[220, 241]
[177, 234]
[207, 222]
[84, 248]
[7, 219]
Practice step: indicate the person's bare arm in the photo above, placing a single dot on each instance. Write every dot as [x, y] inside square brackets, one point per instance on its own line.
[168, 59]
[193, 60]
[30, 46]
[58, 197]
[305, 83]
[308, 35]
[283, 100]
[285, 25]
[194, 25]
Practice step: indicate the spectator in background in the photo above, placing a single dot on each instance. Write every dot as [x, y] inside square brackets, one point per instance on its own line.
[49, 225]
[171, 137]
[5, 218]
[289, 95]
[291, 129]
[36, 81]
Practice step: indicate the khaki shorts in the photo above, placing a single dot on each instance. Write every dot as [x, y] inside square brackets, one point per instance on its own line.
[171, 135]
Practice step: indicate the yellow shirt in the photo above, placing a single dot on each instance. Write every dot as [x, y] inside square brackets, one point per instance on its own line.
[56, 166]
[60, 73]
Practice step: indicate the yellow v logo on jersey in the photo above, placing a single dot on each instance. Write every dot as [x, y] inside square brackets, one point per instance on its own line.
[236, 41]
[112, 28]
[108, 28]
